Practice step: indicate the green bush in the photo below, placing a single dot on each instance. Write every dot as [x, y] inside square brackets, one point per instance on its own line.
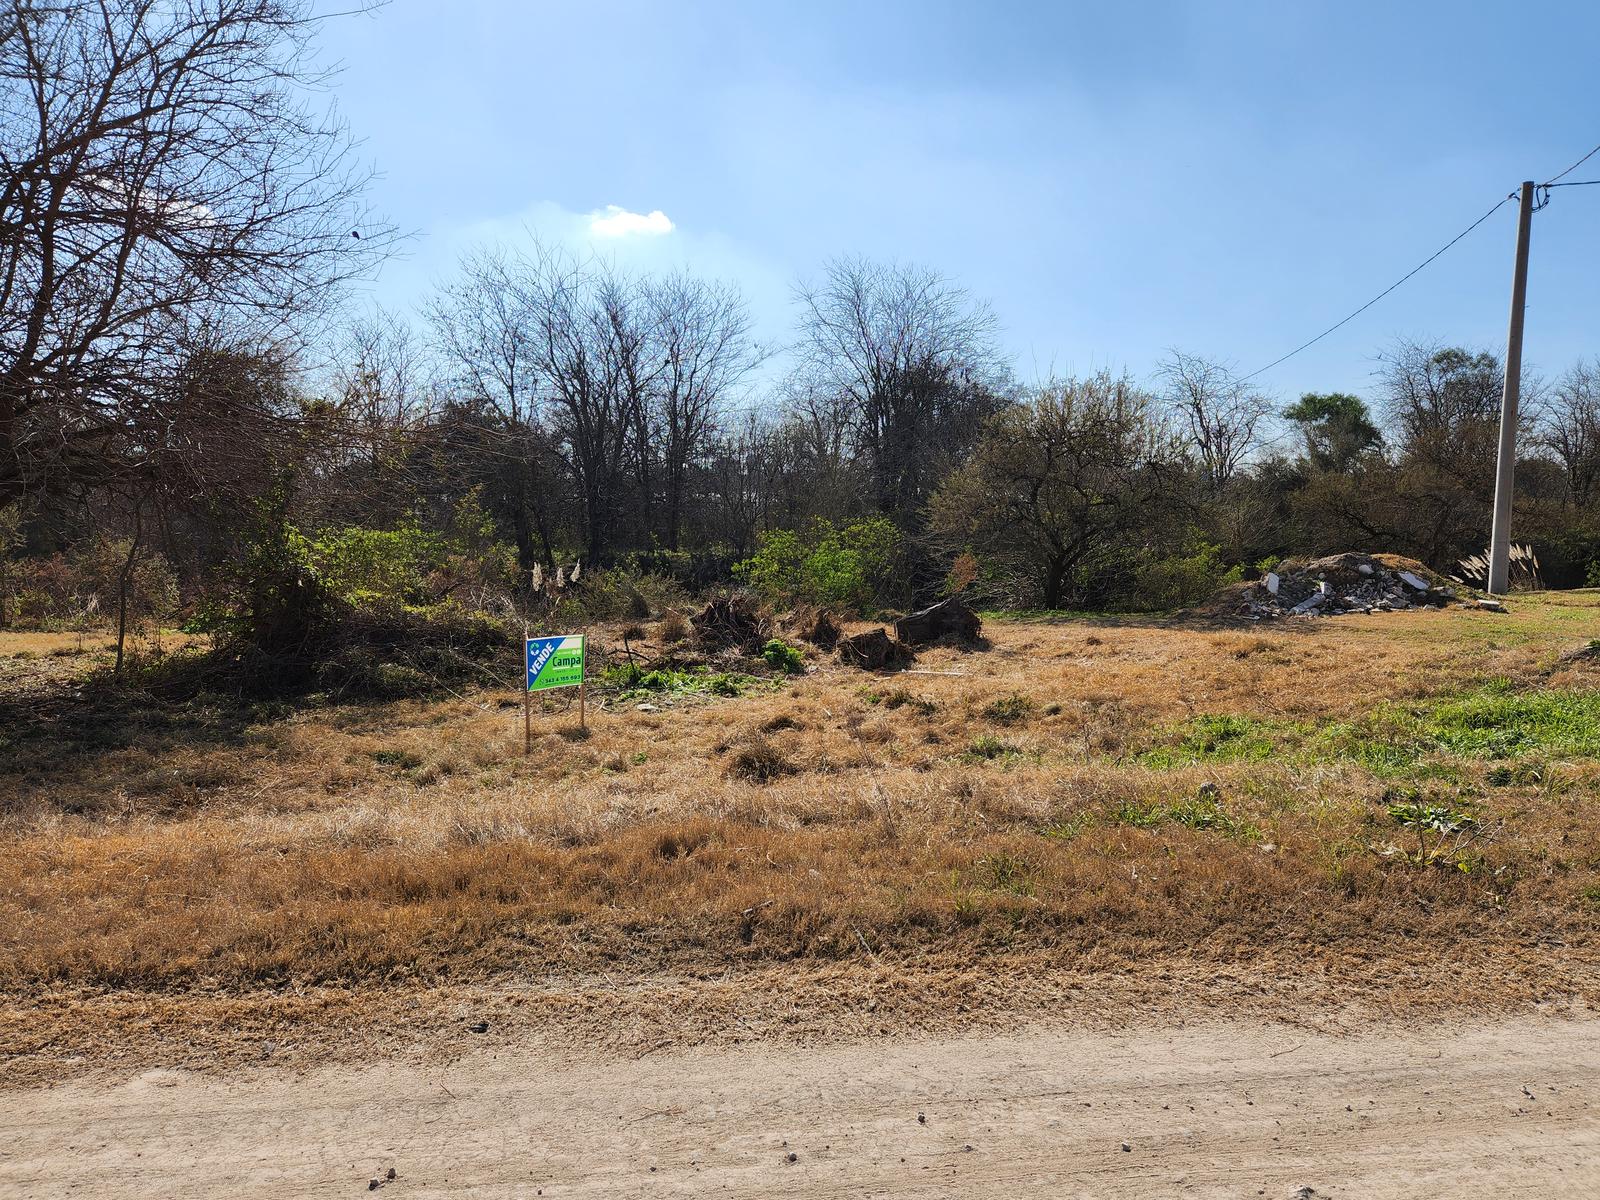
[846, 567]
[361, 566]
[783, 657]
[1179, 580]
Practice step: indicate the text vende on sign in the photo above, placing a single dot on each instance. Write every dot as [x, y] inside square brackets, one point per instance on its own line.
[553, 662]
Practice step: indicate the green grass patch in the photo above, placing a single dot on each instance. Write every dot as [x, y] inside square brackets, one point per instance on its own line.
[1492, 722]
[1222, 739]
[1204, 810]
[1500, 724]
[987, 748]
[631, 683]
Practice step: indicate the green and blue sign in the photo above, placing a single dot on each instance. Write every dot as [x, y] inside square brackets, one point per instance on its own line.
[555, 662]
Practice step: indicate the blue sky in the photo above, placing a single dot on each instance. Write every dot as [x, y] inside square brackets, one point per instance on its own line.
[1114, 179]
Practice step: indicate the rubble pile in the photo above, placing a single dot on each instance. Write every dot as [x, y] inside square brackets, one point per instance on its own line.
[1345, 583]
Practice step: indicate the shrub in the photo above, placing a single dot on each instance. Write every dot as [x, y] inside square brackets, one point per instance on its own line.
[1183, 579]
[358, 565]
[850, 566]
[783, 657]
[60, 588]
[616, 595]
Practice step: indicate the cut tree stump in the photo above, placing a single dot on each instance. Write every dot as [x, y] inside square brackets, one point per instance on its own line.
[874, 650]
[944, 619]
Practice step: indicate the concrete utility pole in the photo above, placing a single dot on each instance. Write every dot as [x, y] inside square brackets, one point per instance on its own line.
[1506, 465]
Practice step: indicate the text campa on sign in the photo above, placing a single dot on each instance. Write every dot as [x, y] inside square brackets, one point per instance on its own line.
[555, 662]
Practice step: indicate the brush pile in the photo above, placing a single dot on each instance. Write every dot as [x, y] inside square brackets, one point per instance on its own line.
[733, 620]
[1341, 583]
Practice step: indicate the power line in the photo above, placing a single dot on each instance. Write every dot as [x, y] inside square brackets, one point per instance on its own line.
[1391, 287]
[1572, 183]
[1573, 167]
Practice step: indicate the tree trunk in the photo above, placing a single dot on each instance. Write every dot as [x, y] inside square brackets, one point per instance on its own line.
[124, 581]
[1054, 581]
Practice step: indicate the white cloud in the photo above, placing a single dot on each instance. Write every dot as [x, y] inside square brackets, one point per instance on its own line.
[615, 221]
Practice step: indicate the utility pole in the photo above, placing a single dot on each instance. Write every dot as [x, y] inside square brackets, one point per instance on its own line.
[1506, 465]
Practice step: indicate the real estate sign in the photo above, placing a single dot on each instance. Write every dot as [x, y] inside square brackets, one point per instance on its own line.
[555, 662]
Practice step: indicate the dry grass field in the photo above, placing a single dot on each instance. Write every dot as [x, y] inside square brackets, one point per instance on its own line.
[1316, 819]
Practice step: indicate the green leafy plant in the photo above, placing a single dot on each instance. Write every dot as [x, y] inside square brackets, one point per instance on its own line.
[630, 681]
[1443, 834]
[781, 656]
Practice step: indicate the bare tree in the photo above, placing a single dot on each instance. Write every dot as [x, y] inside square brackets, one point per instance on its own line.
[484, 333]
[1435, 393]
[742, 469]
[1220, 415]
[621, 379]
[587, 347]
[1572, 428]
[625, 345]
[702, 340]
[163, 170]
[380, 378]
[911, 360]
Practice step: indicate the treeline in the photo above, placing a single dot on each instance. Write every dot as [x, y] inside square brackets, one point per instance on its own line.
[188, 420]
[543, 410]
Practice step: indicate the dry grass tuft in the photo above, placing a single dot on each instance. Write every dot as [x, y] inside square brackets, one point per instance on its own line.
[760, 761]
[672, 628]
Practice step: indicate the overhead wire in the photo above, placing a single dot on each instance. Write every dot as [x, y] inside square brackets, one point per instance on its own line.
[1573, 167]
[1552, 182]
[1340, 324]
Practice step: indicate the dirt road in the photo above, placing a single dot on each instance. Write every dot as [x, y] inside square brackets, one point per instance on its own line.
[1233, 1110]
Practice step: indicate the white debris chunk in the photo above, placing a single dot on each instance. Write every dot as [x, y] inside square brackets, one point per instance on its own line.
[1415, 582]
[1271, 582]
